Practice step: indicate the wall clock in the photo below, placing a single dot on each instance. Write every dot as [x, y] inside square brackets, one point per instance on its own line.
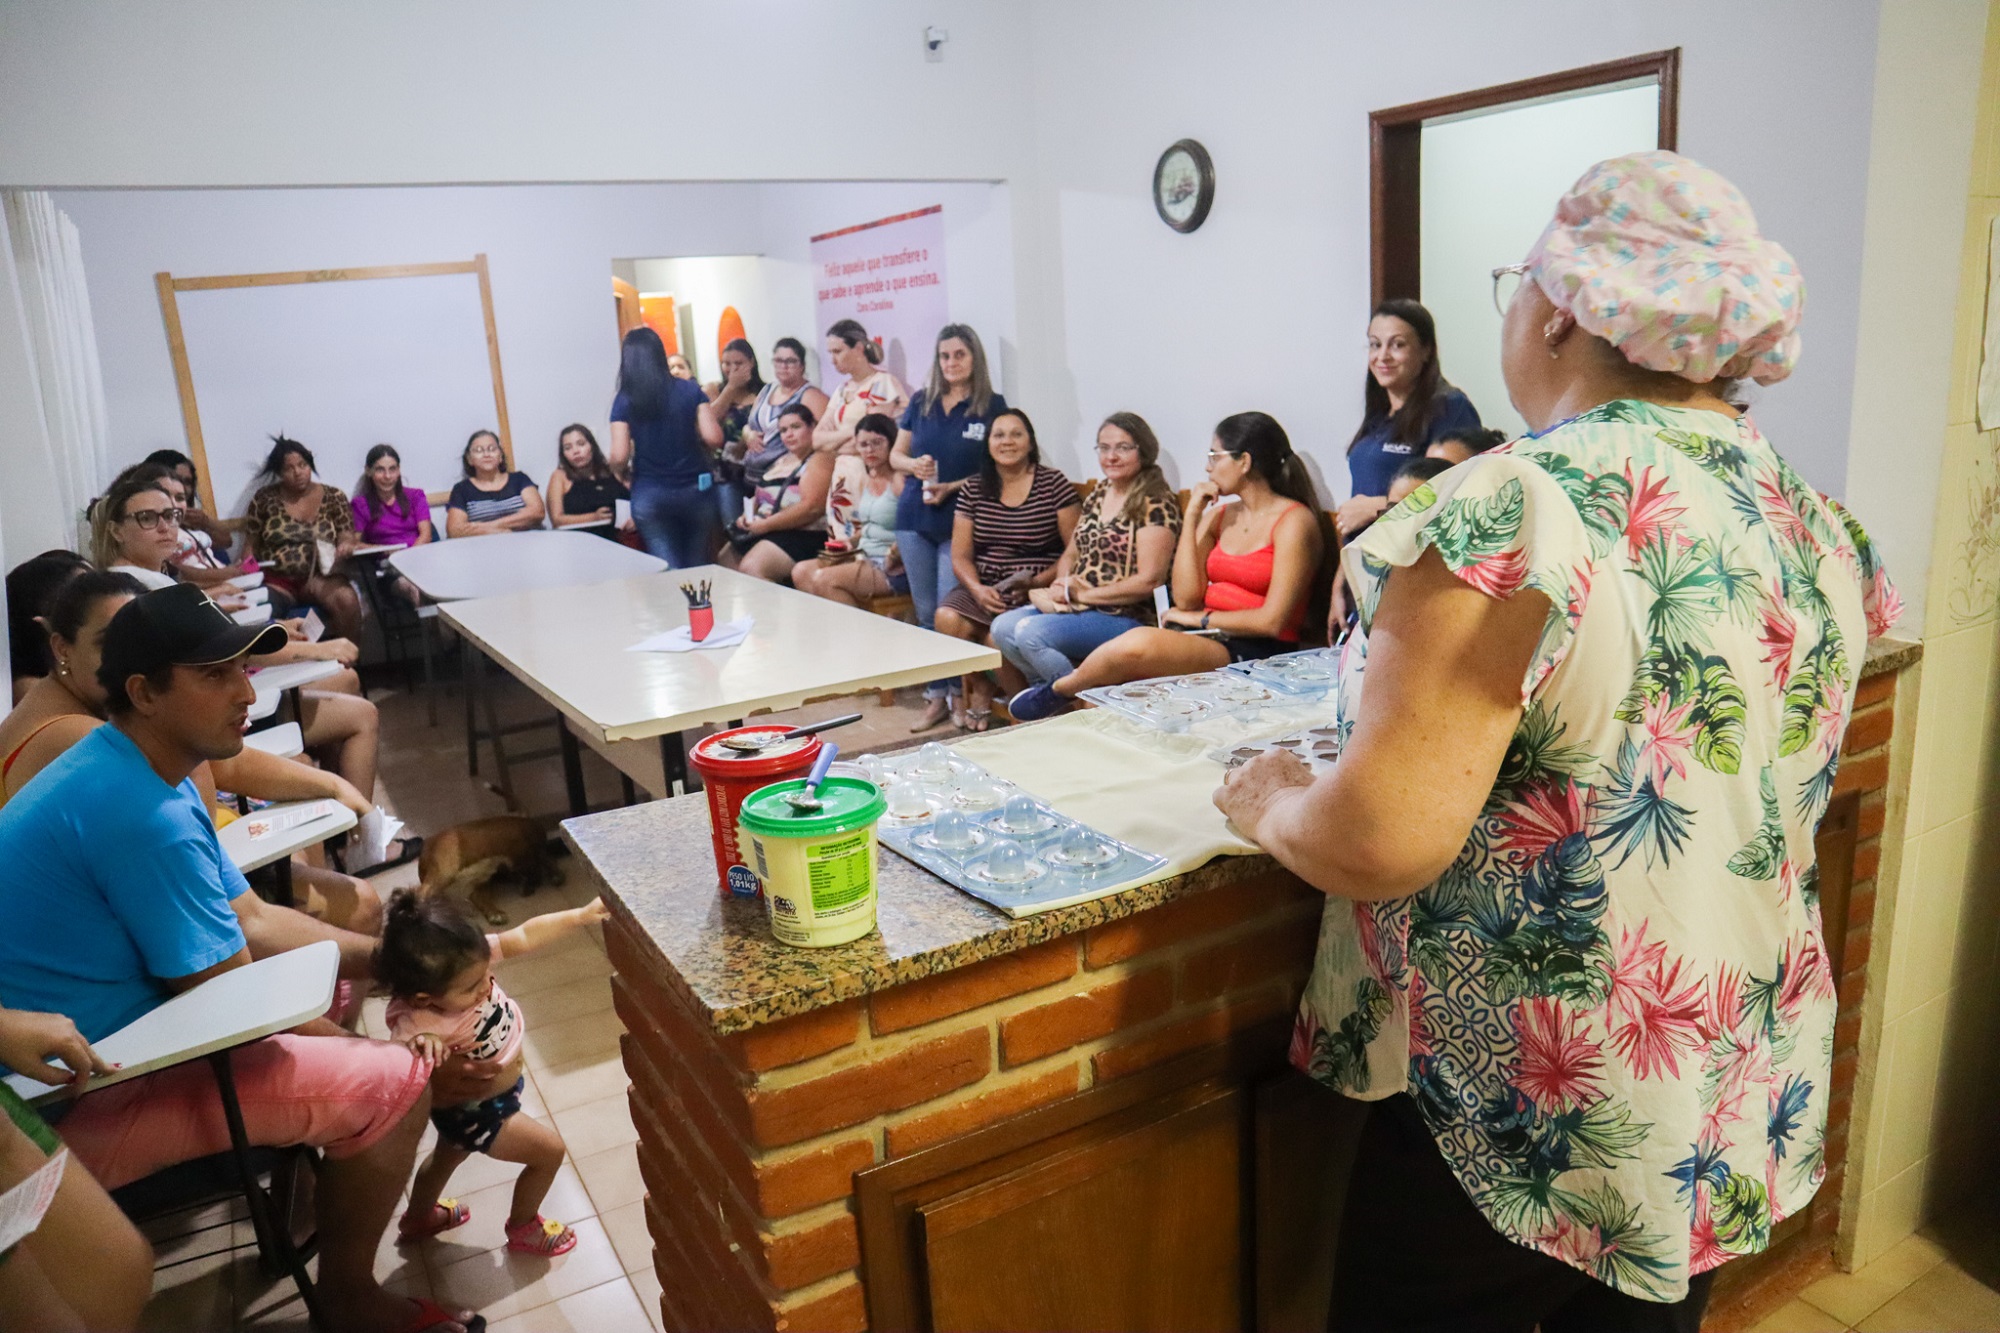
[1184, 185]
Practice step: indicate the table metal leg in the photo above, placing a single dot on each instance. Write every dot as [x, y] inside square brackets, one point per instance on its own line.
[504, 783]
[467, 683]
[572, 761]
[281, 881]
[673, 763]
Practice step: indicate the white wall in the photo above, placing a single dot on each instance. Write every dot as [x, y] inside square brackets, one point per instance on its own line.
[1266, 306]
[1486, 183]
[550, 250]
[1069, 103]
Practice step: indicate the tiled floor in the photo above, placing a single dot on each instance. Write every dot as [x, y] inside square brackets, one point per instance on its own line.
[575, 1083]
[1944, 1279]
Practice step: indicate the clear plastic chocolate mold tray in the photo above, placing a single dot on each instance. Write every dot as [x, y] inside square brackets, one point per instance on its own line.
[1310, 674]
[1215, 704]
[993, 840]
[1317, 746]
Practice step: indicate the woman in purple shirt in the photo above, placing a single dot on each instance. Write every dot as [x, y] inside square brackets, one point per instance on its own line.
[388, 514]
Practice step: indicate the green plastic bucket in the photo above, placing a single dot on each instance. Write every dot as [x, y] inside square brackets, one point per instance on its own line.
[818, 869]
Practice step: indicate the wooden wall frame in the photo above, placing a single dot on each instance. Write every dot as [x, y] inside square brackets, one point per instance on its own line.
[169, 286]
[1395, 154]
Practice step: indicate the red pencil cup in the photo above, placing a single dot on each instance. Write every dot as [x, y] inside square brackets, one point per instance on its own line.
[701, 620]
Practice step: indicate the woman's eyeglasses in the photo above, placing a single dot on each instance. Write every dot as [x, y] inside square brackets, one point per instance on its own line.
[148, 519]
[1109, 450]
[1507, 281]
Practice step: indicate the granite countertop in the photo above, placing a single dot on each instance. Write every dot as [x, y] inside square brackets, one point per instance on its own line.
[656, 861]
[1890, 653]
[656, 864]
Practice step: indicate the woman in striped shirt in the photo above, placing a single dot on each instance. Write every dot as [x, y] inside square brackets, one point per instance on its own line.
[1013, 522]
[491, 499]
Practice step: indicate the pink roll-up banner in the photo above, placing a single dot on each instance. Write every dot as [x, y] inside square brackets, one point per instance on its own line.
[889, 274]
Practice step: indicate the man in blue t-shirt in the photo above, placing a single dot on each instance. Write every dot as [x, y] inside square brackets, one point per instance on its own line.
[116, 895]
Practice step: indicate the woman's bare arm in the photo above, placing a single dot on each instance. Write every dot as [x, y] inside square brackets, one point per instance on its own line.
[1440, 706]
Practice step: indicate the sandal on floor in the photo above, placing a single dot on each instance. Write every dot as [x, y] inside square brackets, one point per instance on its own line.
[430, 1315]
[935, 712]
[977, 720]
[543, 1236]
[411, 849]
[445, 1214]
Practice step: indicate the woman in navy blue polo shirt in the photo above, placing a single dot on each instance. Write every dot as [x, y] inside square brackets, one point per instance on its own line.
[942, 443]
[665, 432]
[1409, 405]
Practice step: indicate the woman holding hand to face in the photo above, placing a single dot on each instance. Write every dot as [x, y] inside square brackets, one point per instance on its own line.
[867, 388]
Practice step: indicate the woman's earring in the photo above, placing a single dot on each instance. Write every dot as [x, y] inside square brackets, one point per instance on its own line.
[1553, 353]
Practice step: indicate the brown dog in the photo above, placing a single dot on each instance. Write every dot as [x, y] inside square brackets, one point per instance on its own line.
[467, 857]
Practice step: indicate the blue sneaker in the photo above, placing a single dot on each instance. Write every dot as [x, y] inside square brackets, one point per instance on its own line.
[1035, 703]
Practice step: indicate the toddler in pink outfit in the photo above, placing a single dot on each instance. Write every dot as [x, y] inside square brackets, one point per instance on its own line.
[438, 965]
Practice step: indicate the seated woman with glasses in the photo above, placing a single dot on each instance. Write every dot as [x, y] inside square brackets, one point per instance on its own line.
[136, 529]
[1122, 549]
[1251, 573]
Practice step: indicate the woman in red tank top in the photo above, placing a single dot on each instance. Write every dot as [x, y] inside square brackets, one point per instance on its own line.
[1251, 572]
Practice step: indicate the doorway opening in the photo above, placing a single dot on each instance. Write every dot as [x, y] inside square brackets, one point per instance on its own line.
[698, 304]
[1463, 184]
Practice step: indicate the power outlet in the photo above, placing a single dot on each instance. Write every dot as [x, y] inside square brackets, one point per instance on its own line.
[934, 40]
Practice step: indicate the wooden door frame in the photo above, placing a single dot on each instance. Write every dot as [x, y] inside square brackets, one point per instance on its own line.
[168, 286]
[1395, 155]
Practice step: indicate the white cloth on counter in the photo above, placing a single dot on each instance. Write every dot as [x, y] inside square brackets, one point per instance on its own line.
[1144, 787]
[678, 639]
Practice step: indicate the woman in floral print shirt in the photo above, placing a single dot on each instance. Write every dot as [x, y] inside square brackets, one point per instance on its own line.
[1610, 665]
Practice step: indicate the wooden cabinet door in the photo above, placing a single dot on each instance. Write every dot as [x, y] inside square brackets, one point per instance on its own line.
[1140, 1228]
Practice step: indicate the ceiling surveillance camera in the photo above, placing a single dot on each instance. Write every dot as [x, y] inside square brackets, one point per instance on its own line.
[934, 40]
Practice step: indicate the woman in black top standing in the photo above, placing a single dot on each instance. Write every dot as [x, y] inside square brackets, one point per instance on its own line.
[583, 492]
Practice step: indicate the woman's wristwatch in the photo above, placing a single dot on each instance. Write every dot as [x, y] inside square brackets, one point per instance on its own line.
[1204, 619]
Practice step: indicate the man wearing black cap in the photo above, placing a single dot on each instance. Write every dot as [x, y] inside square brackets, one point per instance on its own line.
[117, 895]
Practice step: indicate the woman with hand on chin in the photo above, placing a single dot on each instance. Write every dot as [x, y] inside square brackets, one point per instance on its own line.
[1589, 719]
[1250, 577]
[490, 498]
[867, 388]
[1409, 405]
[1013, 523]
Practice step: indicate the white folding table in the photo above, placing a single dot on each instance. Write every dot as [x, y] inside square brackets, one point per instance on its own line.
[569, 646]
[272, 683]
[241, 1005]
[268, 837]
[509, 562]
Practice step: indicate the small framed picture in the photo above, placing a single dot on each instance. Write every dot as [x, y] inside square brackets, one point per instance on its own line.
[1184, 185]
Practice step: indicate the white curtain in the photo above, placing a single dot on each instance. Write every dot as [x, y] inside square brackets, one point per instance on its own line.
[47, 256]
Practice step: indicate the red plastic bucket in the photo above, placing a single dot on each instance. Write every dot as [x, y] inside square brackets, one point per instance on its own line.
[728, 776]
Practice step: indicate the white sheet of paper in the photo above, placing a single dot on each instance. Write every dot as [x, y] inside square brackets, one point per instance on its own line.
[1161, 601]
[1989, 361]
[266, 822]
[329, 555]
[621, 512]
[23, 1207]
[676, 640]
[314, 627]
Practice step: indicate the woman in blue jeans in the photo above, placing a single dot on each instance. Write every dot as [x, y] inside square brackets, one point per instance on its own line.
[1122, 549]
[664, 432]
[941, 443]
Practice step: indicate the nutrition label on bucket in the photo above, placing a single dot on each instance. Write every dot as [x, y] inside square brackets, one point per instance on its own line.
[838, 872]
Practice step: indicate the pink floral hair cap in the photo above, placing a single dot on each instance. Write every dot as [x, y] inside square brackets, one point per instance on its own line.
[1661, 257]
